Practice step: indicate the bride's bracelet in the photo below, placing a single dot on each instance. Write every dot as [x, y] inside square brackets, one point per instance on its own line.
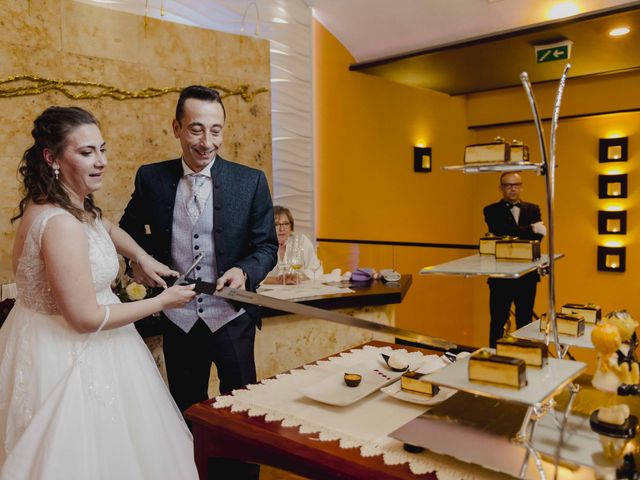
[105, 319]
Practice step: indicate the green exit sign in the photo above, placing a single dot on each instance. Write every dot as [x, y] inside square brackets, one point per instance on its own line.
[554, 51]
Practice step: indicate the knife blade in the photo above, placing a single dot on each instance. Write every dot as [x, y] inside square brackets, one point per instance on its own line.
[330, 315]
[182, 278]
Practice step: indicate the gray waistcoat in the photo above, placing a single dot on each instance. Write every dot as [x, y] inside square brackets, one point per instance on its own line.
[187, 241]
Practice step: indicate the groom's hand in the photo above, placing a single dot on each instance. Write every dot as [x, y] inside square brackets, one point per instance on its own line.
[234, 278]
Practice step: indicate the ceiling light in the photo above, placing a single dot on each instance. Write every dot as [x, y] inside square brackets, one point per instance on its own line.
[563, 9]
[619, 32]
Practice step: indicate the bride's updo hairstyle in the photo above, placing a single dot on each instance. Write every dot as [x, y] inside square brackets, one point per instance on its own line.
[39, 185]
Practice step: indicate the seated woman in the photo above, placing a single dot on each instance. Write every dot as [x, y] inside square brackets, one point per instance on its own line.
[287, 242]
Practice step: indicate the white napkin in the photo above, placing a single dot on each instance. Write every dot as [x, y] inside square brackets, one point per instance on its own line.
[334, 276]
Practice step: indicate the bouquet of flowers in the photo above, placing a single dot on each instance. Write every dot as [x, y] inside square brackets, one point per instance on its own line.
[5, 307]
[129, 291]
[126, 289]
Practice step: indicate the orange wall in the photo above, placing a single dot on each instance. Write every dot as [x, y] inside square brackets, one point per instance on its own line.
[366, 189]
[365, 130]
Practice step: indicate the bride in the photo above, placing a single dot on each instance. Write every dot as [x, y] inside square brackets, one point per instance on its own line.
[81, 396]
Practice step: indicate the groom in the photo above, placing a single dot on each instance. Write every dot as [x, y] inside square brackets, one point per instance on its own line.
[203, 204]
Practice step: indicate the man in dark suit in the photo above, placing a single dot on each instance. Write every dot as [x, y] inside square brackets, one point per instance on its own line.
[513, 217]
[203, 204]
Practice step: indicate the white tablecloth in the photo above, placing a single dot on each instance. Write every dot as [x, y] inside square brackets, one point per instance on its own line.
[364, 424]
[304, 290]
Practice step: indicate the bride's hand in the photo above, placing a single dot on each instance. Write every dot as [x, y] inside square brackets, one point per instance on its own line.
[177, 296]
[148, 271]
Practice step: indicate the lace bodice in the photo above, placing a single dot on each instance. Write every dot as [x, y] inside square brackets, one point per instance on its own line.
[31, 276]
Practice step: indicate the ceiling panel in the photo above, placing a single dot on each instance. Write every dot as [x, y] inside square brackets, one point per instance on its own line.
[497, 61]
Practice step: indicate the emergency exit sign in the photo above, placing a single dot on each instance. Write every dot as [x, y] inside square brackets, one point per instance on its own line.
[553, 51]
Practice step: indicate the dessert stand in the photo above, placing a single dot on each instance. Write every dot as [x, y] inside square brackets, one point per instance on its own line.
[533, 332]
[487, 265]
[558, 374]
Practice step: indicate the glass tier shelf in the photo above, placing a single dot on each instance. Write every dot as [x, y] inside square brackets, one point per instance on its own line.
[542, 383]
[496, 167]
[532, 332]
[487, 265]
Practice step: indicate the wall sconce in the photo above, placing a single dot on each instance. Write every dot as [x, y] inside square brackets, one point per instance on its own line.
[612, 259]
[612, 186]
[612, 223]
[613, 149]
[422, 159]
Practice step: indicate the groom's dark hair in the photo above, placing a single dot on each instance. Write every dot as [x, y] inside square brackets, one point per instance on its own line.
[199, 92]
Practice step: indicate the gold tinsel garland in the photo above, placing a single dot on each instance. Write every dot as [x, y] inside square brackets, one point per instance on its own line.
[81, 90]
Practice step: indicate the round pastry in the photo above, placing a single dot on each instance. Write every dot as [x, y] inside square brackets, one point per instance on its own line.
[352, 379]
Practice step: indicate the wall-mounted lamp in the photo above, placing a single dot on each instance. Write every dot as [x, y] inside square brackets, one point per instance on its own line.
[612, 259]
[612, 223]
[612, 186]
[613, 149]
[421, 159]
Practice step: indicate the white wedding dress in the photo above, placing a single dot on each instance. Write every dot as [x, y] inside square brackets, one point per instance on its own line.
[82, 406]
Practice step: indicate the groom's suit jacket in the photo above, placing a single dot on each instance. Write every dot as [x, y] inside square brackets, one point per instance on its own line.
[244, 230]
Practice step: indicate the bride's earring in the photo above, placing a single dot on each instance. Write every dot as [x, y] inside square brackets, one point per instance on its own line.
[56, 173]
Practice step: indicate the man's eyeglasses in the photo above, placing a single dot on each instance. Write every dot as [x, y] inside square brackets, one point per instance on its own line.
[511, 185]
[284, 225]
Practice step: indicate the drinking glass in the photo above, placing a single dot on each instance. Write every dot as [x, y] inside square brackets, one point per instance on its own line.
[283, 268]
[296, 257]
[315, 265]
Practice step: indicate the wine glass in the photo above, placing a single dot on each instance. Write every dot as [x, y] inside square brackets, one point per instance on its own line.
[283, 268]
[296, 257]
[315, 265]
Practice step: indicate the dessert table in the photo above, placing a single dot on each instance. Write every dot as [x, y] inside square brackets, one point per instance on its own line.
[226, 427]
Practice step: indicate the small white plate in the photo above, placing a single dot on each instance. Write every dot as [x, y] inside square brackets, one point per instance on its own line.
[395, 390]
[333, 391]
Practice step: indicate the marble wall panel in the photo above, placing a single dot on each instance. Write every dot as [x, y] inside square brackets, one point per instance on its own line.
[7, 232]
[99, 32]
[31, 23]
[99, 45]
[232, 49]
[126, 75]
[9, 197]
[16, 121]
[176, 46]
[158, 139]
[22, 60]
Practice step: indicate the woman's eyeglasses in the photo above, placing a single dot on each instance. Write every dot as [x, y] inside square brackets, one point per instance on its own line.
[284, 225]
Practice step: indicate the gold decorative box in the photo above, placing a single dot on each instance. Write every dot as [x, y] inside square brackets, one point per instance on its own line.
[494, 152]
[518, 250]
[533, 353]
[487, 367]
[519, 152]
[592, 313]
[487, 245]
[412, 382]
[568, 324]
